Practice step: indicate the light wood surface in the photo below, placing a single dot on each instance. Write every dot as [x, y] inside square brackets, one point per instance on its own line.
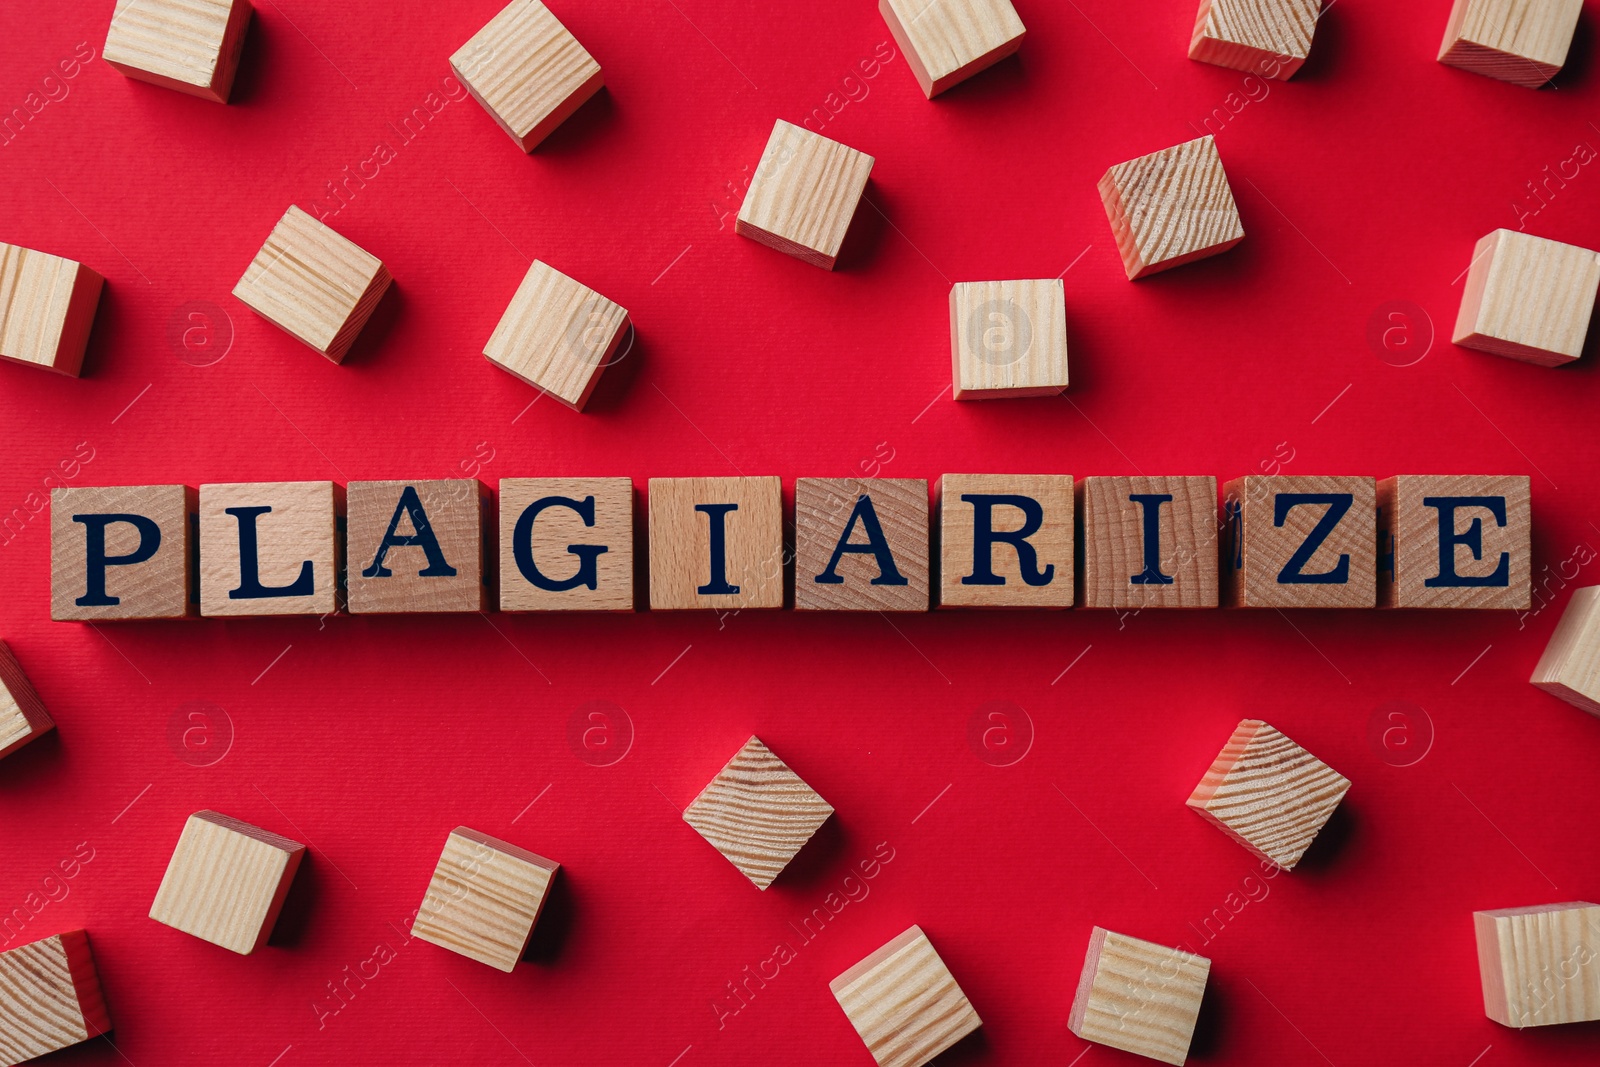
[1267, 37]
[945, 42]
[192, 46]
[1008, 339]
[1171, 207]
[484, 898]
[22, 715]
[527, 71]
[904, 1002]
[47, 307]
[157, 587]
[803, 194]
[453, 513]
[1053, 543]
[50, 997]
[1570, 666]
[560, 544]
[298, 536]
[1540, 966]
[1138, 996]
[1524, 42]
[1528, 298]
[680, 542]
[226, 881]
[1114, 542]
[757, 812]
[557, 335]
[823, 510]
[1259, 561]
[1409, 534]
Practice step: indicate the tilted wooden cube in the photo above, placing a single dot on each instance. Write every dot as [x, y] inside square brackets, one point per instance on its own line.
[1540, 966]
[1171, 207]
[415, 546]
[1524, 42]
[1008, 339]
[1148, 542]
[1301, 541]
[757, 813]
[803, 195]
[192, 46]
[527, 71]
[227, 881]
[120, 552]
[557, 335]
[50, 997]
[716, 543]
[566, 544]
[269, 548]
[484, 898]
[1570, 666]
[1138, 996]
[904, 1002]
[1455, 541]
[1528, 298]
[1271, 38]
[1006, 541]
[861, 544]
[946, 43]
[22, 715]
[49, 304]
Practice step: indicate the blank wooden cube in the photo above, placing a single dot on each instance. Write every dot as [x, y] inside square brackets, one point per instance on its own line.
[716, 543]
[803, 195]
[1524, 42]
[861, 544]
[1148, 542]
[192, 46]
[484, 898]
[948, 42]
[22, 714]
[1171, 207]
[1528, 298]
[48, 307]
[1267, 37]
[1138, 996]
[1008, 339]
[1539, 965]
[566, 544]
[315, 285]
[1301, 541]
[269, 548]
[226, 882]
[1006, 541]
[415, 547]
[904, 1002]
[527, 71]
[557, 335]
[50, 997]
[1570, 666]
[757, 812]
[1455, 541]
[120, 552]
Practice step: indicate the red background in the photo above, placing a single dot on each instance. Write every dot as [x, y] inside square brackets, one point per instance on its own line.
[1365, 180]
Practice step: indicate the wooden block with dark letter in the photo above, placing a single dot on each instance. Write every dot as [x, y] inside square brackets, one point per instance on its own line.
[1008, 339]
[1171, 207]
[946, 43]
[803, 195]
[1528, 298]
[1148, 542]
[1267, 37]
[269, 548]
[716, 543]
[1455, 541]
[527, 71]
[1138, 996]
[226, 881]
[1006, 541]
[1540, 966]
[415, 546]
[120, 552]
[47, 306]
[861, 544]
[1301, 541]
[192, 46]
[50, 997]
[484, 898]
[557, 335]
[904, 1002]
[566, 544]
[757, 813]
[22, 715]
[1524, 42]
[1570, 666]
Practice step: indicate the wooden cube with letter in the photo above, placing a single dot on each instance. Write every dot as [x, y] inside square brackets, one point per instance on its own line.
[1008, 339]
[1171, 207]
[227, 881]
[904, 1002]
[1570, 666]
[1148, 542]
[946, 43]
[558, 335]
[1528, 298]
[757, 812]
[1006, 541]
[716, 543]
[269, 548]
[121, 552]
[484, 898]
[529, 73]
[803, 195]
[861, 544]
[416, 546]
[192, 46]
[1301, 541]
[48, 307]
[1139, 997]
[566, 544]
[50, 997]
[22, 715]
[1540, 966]
[1524, 42]
[1267, 37]
[1455, 541]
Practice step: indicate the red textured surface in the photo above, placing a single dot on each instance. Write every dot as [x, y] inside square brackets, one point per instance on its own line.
[1365, 180]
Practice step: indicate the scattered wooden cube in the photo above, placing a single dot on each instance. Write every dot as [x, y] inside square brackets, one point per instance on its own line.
[527, 71]
[484, 898]
[1539, 965]
[716, 543]
[415, 546]
[948, 42]
[50, 997]
[315, 285]
[557, 335]
[1267, 37]
[1268, 793]
[1148, 542]
[192, 46]
[1455, 541]
[904, 1002]
[226, 882]
[1570, 666]
[49, 307]
[1301, 541]
[566, 544]
[1528, 298]
[803, 195]
[269, 548]
[22, 714]
[1008, 339]
[1171, 207]
[1524, 42]
[757, 813]
[861, 544]
[1006, 541]
[120, 552]
[1138, 996]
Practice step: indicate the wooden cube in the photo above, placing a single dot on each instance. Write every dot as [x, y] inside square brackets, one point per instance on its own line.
[1524, 42]
[1528, 298]
[527, 71]
[1267, 37]
[566, 544]
[557, 335]
[269, 548]
[315, 285]
[716, 543]
[1301, 541]
[948, 42]
[120, 552]
[1171, 207]
[1455, 541]
[1006, 540]
[1148, 542]
[50, 997]
[1541, 965]
[49, 307]
[1268, 793]
[22, 714]
[192, 46]
[415, 547]
[757, 813]
[803, 195]
[226, 882]
[1570, 666]
[861, 544]
[484, 898]
[1138, 996]
[1008, 339]
[904, 1002]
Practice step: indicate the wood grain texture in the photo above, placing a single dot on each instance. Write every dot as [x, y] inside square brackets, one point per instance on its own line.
[452, 510]
[527, 71]
[1138, 996]
[948, 41]
[1268, 793]
[47, 307]
[1267, 37]
[904, 1002]
[680, 542]
[314, 284]
[1113, 542]
[1259, 560]
[484, 898]
[1540, 966]
[560, 542]
[22, 715]
[803, 194]
[1171, 207]
[1528, 298]
[192, 46]
[1008, 339]
[1409, 537]
[159, 587]
[50, 997]
[298, 536]
[557, 335]
[1524, 42]
[1053, 543]
[757, 812]
[226, 881]
[823, 512]
[1570, 666]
